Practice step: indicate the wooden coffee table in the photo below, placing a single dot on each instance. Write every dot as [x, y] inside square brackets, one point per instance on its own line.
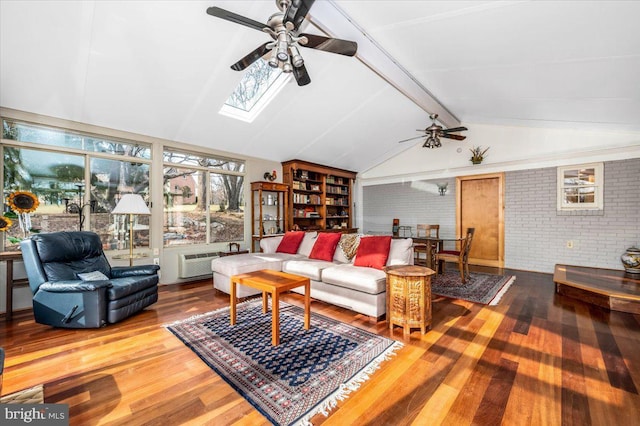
[274, 283]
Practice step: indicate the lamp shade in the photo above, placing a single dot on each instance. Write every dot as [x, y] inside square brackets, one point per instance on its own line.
[131, 204]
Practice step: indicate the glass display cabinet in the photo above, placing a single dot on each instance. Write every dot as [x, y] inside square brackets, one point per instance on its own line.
[270, 211]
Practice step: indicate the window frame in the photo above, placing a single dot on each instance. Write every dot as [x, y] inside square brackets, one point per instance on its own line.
[598, 185]
[206, 171]
[265, 99]
[87, 156]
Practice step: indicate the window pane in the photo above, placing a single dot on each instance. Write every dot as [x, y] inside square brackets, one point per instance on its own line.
[227, 208]
[65, 139]
[579, 177]
[255, 82]
[187, 159]
[185, 216]
[579, 195]
[570, 195]
[110, 179]
[56, 180]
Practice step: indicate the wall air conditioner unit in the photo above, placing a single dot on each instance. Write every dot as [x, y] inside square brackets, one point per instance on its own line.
[195, 264]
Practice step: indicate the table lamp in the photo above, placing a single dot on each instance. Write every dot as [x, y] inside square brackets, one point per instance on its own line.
[131, 204]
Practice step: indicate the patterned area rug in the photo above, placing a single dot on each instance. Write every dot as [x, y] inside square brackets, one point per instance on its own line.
[481, 288]
[308, 373]
[34, 395]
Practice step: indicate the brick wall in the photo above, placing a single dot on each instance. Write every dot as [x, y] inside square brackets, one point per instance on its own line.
[412, 203]
[536, 234]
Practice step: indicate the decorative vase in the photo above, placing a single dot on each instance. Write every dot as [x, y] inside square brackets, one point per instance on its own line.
[631, 260]
[476, 161]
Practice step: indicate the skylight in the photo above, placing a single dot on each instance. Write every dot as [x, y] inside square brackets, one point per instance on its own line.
[259, 85]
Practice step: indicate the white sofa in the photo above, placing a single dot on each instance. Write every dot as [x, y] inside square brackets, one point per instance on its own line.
[360, 289]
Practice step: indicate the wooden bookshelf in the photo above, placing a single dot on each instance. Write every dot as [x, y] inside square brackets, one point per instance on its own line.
[320, 196]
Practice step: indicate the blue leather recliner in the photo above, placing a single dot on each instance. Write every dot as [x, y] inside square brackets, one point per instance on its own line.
[62, 298]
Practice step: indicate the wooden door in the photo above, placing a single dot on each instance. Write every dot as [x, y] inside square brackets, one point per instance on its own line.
[480, 205]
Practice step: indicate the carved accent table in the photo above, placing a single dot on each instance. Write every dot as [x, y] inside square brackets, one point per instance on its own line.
[409, 297]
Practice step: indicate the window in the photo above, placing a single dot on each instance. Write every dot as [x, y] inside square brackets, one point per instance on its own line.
[59, 167]
[259, 85]
[203, 199]
[110, 179]
[581, 187]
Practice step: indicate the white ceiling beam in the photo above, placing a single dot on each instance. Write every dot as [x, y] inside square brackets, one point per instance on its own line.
[327, 15]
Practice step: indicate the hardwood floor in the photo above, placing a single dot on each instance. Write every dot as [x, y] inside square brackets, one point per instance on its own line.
[538, 358]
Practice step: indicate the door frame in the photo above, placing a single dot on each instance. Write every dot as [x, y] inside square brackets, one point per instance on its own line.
[459, 232]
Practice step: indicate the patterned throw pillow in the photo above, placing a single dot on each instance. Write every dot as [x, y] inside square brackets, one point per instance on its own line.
[349, 245]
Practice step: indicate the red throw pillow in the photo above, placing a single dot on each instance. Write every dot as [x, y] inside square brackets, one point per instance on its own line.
[373, 252]
[290, 242]
[325, 246]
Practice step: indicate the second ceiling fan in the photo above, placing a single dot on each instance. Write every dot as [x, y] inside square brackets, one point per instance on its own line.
[283, 28]
[434, 132]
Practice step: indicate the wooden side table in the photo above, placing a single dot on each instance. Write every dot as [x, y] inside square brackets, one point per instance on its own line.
[234, 248]
[409, 297]
[9, 257]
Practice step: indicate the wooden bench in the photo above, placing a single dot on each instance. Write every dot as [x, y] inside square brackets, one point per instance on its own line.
[609, 288]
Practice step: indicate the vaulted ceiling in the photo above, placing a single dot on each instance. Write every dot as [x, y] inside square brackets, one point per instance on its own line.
[162, 69]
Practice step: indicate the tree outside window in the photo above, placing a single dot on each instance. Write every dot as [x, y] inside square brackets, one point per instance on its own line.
[188, 184]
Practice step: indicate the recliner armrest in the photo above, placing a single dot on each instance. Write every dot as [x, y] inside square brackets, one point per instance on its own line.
[133, 271]
[73, 286]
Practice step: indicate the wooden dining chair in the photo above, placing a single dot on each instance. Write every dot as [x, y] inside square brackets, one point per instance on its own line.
[461, 257]
[419, 248]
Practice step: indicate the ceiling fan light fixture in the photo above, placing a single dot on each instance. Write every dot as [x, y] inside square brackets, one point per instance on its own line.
[283, 27]
[296, 57]
[283, 47]
[273, 60]
[282, 55]
[432, 142]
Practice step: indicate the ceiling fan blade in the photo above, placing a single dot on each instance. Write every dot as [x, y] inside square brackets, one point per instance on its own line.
[454, 129]
[301, 75]
[410, 139]
[297, 11]
[234, 17]
[333, 45]
[456, 137]
[251, 58]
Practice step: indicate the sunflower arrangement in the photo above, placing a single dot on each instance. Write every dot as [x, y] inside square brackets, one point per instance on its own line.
[5, 223]
[23, 202]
